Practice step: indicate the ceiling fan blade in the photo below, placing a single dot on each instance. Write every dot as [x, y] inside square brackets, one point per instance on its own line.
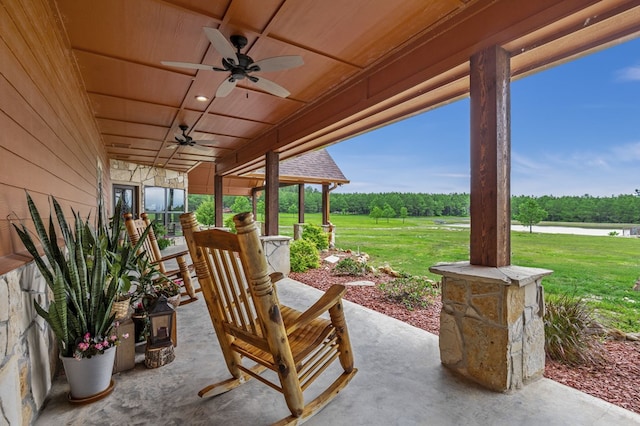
[200, 147]
[278, 63]
[187, 65]
[271, 87]
[220, 43]
[225, 88]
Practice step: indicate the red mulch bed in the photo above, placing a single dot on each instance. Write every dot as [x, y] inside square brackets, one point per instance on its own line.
[615, 382]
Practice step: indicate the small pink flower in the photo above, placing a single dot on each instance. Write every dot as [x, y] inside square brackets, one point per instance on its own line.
[117, 324]
[87, 337]
[125, 336]
[113, 338]
[99, 346]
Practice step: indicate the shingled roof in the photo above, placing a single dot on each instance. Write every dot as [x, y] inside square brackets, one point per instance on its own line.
[312, 167]
[315, 167]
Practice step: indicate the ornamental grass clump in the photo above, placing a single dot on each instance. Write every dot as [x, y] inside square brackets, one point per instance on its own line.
[569, 326]
[412, 291]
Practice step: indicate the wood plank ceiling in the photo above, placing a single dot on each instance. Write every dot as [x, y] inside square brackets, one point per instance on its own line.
[366, 63]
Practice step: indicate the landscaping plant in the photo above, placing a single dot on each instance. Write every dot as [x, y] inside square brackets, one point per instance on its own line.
[350, 266]
[571, 332]
[412, 291]
[304, 256]
[316, 235]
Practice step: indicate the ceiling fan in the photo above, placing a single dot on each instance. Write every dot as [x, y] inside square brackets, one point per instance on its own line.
[241, 66]
[182, 139]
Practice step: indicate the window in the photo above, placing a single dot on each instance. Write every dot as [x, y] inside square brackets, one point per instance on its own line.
[165, 205]
[129, 196]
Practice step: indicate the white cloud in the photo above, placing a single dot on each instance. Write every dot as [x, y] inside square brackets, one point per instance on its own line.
[627, 152]
[629, 74]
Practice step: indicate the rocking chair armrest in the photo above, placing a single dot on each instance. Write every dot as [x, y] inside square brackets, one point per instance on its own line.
[329, 299]
[172, 256]
[276, 276]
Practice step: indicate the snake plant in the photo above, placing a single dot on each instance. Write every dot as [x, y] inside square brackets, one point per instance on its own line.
[85, 276]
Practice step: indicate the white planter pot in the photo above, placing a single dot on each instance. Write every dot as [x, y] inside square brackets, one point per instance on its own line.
[89, 377]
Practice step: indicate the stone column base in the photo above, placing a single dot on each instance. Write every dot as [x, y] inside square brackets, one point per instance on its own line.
[491, 323]
[276, 249]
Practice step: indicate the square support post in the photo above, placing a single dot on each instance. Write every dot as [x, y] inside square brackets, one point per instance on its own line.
[325, 203]
[272, 186]
[301, 203]
[490, 158]
[217, 199]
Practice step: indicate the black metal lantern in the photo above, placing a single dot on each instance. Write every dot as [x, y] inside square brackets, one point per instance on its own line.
[161, 324]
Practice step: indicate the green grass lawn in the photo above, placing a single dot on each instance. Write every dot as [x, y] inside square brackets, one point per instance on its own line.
[600, 269]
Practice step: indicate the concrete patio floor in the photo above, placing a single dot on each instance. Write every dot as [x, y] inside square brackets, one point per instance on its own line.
[400, 382]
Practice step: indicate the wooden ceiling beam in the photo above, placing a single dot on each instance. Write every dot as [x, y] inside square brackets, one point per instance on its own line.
[436, 52]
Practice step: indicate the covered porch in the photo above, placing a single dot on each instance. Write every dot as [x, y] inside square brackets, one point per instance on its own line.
[400, 382]
[83, 85]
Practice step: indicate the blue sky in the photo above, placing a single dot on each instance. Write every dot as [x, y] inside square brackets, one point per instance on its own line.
[575, 130]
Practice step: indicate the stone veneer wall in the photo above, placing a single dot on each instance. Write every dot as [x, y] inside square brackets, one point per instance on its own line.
[28, 351]
[136, 174]
[491, 323]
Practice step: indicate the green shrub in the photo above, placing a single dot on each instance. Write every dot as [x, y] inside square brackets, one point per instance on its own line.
[411, 291]
[229, 223]
[163, 243]
[316, 235]
[569, 326]
[304, 255]
[349, 266]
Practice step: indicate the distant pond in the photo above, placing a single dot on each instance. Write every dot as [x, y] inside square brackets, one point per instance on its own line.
[556, 229]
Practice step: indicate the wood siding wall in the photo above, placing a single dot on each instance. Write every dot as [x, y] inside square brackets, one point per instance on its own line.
[49, 141]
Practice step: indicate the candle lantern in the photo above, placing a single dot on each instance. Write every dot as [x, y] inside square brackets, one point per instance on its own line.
[161, 324]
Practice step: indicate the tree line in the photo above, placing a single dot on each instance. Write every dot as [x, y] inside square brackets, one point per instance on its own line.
[585, 208]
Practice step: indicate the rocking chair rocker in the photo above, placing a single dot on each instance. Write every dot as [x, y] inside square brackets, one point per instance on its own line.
[250, 322]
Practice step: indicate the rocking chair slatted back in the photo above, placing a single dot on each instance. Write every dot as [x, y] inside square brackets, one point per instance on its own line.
[250, 322]
[136, 228]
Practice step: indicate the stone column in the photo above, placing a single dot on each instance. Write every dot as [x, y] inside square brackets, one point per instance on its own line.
[297, 230]
[276, 249]
[491, 323]
[330, 229]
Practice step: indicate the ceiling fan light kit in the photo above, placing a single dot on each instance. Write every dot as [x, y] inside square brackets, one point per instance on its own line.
[240, 65]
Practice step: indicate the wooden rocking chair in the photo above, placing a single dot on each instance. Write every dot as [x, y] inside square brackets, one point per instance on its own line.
[250, 322]
[135, 228]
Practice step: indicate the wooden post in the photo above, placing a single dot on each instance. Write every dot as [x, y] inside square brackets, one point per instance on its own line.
[218, 201]
[272, 186]
[254, 202]
[301, 203]
[325, 203]
[490, 158]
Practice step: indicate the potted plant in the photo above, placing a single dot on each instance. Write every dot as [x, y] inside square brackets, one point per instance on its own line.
[125, 263]
[85, 279]
[149, 286]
